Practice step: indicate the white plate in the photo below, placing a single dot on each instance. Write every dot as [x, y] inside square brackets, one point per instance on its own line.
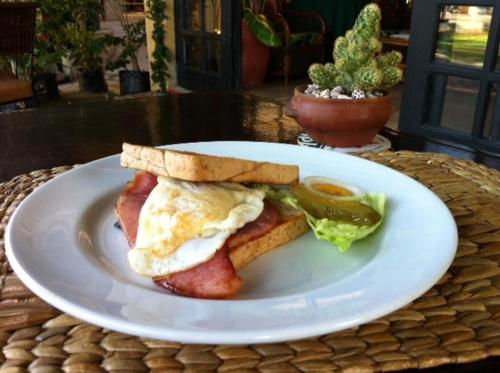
[62, 244]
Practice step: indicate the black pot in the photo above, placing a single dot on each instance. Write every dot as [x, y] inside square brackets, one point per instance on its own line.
[46, 85]
[134, 82]
[92, 81]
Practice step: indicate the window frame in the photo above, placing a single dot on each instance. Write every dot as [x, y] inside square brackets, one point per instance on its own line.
[201, 78]
[421, 65]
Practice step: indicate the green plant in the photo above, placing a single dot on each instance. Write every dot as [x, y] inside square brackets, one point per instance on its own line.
[259, 24]
[131, 42]
[85, 13]
[87, 47]
[161, 54]
[49, 41]
[46, 56]
[358, 61]
[48, 49]
[135, 37]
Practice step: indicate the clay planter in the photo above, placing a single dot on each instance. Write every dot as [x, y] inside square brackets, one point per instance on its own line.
[254, 60]
[339, 122]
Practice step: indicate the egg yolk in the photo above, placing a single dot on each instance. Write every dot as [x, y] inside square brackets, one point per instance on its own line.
[334, 190]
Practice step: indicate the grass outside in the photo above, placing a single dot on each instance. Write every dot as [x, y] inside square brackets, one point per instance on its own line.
[464, 49]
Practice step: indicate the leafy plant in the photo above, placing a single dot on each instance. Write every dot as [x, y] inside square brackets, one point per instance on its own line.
[48, 48]
[87, 47]
[49, 41]
[358, 61]
[259, 24]
[161, 54]
[46, 56]
[134, 39]
[84, 12]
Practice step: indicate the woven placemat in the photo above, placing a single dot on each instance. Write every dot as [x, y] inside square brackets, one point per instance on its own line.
[457, 321]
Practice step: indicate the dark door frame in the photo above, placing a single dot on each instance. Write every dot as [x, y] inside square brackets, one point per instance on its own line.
[200, 78]
[421, 66]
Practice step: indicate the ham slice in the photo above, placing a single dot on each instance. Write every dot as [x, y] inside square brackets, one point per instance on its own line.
[216, 278]
[213, 279]
[265, 222]
[130, 201]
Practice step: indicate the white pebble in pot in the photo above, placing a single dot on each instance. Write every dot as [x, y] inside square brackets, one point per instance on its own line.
[345, 97]
[325, 93]
[358, 94]
[338, 89]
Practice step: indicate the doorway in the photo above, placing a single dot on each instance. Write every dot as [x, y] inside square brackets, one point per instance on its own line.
[208, 44]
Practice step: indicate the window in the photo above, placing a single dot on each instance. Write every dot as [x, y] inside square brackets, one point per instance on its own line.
[452, 73]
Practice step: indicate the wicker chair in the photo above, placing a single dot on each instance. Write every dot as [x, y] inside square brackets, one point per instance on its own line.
[17, 38]
[303, 40]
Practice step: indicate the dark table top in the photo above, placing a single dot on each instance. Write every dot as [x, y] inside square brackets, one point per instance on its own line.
[70, 134]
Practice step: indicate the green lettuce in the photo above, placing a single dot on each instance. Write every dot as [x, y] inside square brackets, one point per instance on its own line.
[338, 233]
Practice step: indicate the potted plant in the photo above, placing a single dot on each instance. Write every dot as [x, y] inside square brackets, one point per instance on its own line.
[86, 50]
[258, 36]
[48, 48]
[45, 66]
[131, 80]
[86, 47]
[348, 102]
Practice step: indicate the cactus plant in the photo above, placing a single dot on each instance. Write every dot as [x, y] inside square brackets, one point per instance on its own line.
[358, 61]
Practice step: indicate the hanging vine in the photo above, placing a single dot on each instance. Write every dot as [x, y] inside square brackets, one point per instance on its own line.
[161, 54]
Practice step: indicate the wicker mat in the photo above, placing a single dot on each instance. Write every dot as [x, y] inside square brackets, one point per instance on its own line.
[457, 321]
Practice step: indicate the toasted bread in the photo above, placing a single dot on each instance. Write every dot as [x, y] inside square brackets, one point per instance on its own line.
[293, 225]
[206, 168]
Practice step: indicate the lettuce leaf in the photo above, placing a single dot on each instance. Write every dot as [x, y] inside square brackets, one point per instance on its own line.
[337, 233]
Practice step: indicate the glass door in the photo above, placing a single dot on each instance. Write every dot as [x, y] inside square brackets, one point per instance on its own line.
[208, 34]
[452, 73]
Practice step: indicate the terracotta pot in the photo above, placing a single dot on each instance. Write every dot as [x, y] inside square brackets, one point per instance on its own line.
[339, 122]
[254, 60]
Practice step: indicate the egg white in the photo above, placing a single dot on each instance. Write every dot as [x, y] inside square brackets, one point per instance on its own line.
[183, 224]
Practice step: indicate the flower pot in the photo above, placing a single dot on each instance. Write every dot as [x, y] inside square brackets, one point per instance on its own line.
[92, 81]
[254, 60]
[339, 122]
[46, 85]
[132, 81]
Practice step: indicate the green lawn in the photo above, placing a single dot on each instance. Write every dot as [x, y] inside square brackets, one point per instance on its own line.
[465, 49]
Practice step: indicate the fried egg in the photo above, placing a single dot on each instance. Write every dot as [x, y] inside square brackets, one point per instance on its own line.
[183, 224]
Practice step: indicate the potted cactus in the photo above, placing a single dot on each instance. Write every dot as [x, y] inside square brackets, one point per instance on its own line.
[348, 103]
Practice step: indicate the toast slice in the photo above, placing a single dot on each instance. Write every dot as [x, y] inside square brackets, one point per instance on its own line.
[206, 168]
[293, 225]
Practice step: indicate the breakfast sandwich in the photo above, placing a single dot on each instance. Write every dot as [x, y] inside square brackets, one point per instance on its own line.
[192, 220]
